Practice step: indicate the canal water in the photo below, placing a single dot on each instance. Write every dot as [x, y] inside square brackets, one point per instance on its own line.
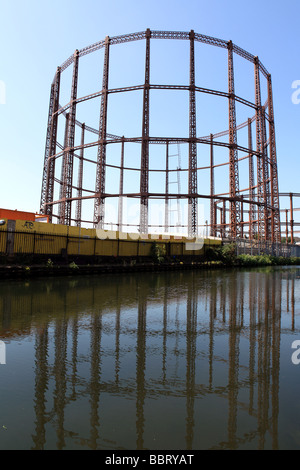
[172, 360]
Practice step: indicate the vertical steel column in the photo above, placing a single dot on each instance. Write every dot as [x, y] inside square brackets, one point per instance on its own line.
[192, 202]
[49, 164]
[62, 189]
[215, 220]
[259, 148]
[252, 210]
[242, 217]
[71, 140]
[292, 218]
[267, 196]
[121, 189]
[212, 188]
[224, 218]
[286, 226]
[233, 153]
[276, 231]
[99, 210]
[167, 189]
[144, 181]
[66, 204]
[47, 150]
[179, 221]
[80, 179]
[221, 222]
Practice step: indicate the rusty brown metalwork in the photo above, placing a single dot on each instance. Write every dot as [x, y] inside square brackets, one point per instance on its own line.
[289, 221]
[212, 187]
[192, 213]
[80, 180]
[260, 200]
[101, 159]
[252, 208]
[233, 153]
[121, 189]
[144, 180]
[273, 168]
[68, 159]
[49, 163]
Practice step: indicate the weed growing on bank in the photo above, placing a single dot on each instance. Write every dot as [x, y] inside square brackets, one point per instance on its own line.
[227, 256]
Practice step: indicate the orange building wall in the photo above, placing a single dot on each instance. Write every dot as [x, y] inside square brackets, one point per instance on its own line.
[16, 215]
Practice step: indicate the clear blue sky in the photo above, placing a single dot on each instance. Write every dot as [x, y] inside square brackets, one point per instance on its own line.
[37, 36]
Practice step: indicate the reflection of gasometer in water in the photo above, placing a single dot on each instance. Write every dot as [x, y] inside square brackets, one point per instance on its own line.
[2, 353]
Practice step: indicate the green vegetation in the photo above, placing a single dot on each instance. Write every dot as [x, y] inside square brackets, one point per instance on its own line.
[226, 255]
[73, 265]
[266, 260]
[158, 252]
[49, 263]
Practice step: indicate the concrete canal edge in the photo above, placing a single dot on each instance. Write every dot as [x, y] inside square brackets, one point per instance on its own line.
[36, 271]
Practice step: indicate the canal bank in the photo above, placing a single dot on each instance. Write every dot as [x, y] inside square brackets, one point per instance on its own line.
[33, 271]
[36, 249]
[214, 260]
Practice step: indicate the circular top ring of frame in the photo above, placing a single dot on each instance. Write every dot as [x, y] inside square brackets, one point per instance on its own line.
[168, 35]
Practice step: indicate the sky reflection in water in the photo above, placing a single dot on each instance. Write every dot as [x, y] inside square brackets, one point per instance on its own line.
[178, 360]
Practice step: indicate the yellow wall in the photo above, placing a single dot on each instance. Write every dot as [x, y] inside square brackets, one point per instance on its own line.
[3, 237]
[42, 238]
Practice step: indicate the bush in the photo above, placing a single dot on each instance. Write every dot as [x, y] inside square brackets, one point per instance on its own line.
[158, 252]
[294, 260]
[227, 254]
[255, 260]
[73, 265]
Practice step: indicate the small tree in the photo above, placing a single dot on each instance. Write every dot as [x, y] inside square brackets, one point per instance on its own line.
[228, 254]
[158, 252]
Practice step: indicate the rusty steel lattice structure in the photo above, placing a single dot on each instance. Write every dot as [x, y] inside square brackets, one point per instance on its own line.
[260, 199]
[290, 226]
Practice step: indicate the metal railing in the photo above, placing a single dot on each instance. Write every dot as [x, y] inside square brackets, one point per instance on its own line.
[262, 247]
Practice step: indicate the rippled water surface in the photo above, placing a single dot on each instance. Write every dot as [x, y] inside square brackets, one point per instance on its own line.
[175, 360]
